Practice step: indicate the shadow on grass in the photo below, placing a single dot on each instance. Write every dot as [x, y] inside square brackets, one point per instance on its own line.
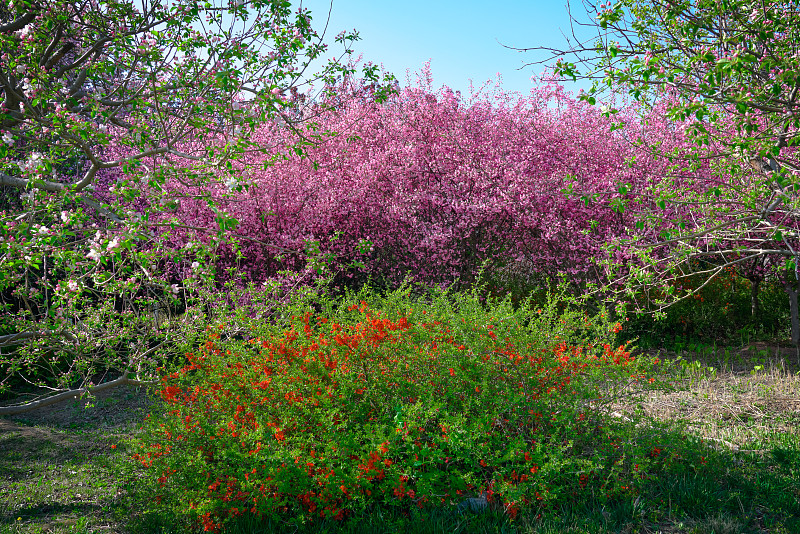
[50, 510]
[695, 487]
[27, 450]
[50, 477]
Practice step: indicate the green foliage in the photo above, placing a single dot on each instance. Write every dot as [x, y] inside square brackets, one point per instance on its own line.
[720, 312]
[396, 402]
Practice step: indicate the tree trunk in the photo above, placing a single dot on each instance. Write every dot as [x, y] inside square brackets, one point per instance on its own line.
[795, 318]
[755, 305]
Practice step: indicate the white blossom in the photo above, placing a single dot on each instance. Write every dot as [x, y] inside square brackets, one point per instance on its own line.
[24, 32]
[8, 138]
[35, 160]
[94, 254]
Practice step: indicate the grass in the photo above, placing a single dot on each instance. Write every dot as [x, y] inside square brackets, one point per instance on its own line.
[731, 452]
[63, 469]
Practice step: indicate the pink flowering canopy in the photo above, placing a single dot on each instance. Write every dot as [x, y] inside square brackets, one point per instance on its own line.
[433, 185]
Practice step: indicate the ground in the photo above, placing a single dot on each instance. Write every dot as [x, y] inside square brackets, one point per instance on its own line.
[59, 464]
[56, 464]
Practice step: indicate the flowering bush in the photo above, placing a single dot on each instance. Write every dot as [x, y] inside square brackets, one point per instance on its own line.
[388, 401]
[438, 184]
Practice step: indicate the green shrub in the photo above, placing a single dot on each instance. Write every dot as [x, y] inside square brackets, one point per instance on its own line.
[393, 401]
[720, 312]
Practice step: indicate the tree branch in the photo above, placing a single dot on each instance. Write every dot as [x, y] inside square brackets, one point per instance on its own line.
[14, 339]
[18, 24]
[23, 183]
[72, 394]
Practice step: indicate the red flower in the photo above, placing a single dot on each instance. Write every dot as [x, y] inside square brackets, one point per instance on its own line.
[208, 523]
[452, 372]
[169, 393]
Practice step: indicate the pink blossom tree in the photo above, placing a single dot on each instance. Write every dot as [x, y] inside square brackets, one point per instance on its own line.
[435, 185]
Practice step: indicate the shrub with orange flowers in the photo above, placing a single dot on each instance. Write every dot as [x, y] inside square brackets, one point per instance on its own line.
[394, 401]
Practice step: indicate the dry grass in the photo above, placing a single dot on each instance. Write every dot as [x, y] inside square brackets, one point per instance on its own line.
[733, 398]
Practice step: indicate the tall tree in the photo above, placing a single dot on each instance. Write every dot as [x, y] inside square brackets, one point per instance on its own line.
[727, 73]
[103, 104]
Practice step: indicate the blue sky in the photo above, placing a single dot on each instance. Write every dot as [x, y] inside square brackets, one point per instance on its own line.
[462, 39]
